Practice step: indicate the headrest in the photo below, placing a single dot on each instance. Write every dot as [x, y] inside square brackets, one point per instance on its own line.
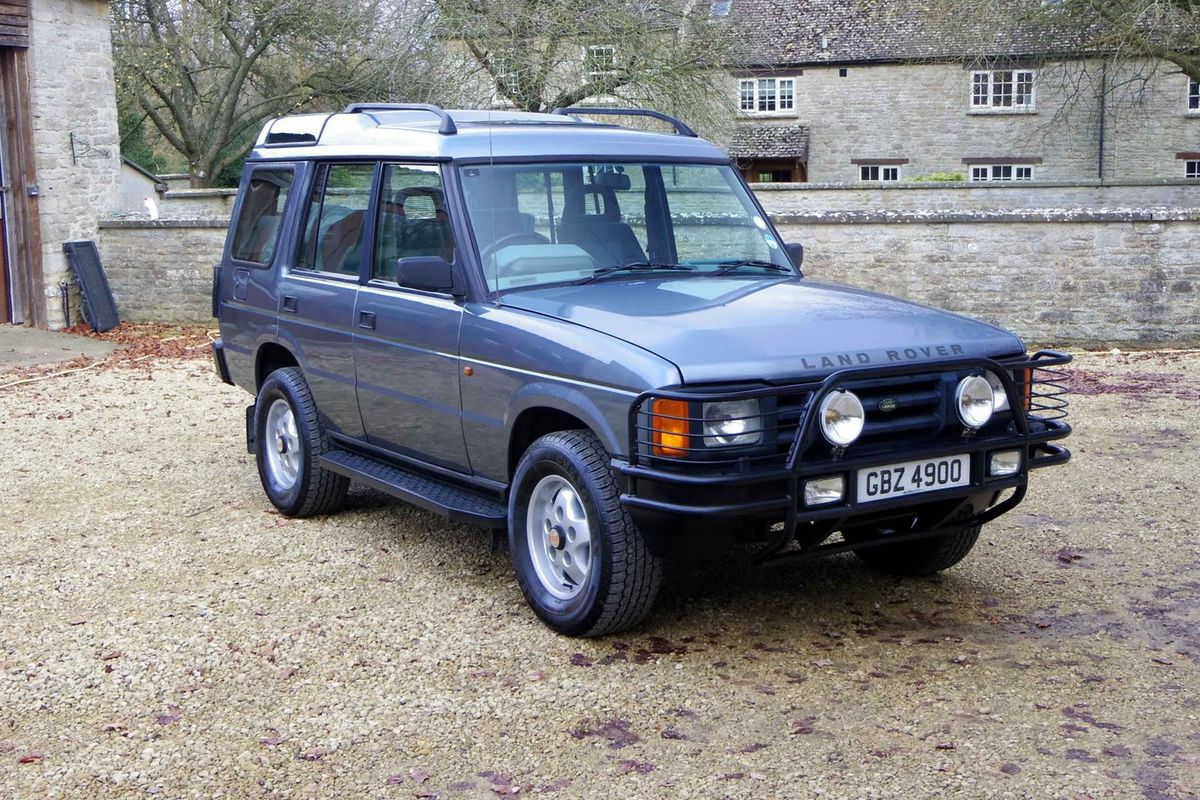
[617, 181]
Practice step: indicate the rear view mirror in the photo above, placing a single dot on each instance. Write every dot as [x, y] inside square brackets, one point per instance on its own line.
[427, 273]
[796, 251]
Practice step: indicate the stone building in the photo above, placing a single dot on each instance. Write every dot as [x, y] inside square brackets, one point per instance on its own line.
[837, 91]
[59, 147]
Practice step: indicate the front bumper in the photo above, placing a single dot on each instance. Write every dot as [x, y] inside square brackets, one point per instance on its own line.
[656, 493]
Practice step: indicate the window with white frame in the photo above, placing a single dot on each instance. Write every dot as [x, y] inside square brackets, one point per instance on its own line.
[1192, 170]
[503, 66]
[875, 173]
[1001, 172]
[766, 95]
[600, 59]
[1002, 90]
[1193, 105]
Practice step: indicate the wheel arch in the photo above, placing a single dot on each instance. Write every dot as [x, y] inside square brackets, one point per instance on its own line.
[270, 357]
[538, 411]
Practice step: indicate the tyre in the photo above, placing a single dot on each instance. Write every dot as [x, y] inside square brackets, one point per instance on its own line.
[916, 558]
[290, 440]
[583, 565]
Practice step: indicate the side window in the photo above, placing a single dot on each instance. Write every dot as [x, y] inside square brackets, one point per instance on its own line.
[336, 217]
[412, 218]
[257, 227]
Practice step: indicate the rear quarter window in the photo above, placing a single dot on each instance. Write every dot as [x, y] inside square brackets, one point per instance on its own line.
[256, 230]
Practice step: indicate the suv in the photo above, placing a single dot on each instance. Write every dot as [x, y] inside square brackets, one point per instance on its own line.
[592, 337]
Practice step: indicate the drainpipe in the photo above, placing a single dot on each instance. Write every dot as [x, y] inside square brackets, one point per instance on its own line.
[1103, 108]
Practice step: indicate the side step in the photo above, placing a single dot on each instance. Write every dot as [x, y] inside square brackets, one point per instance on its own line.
[440, 497]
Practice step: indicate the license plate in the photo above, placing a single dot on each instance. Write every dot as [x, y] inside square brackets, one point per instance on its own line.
[913, 477]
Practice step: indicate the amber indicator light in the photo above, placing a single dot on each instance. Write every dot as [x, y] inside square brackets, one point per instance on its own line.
[669, 427]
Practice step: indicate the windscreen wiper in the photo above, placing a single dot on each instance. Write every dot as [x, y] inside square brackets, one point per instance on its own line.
[730, 266]
[636, 266]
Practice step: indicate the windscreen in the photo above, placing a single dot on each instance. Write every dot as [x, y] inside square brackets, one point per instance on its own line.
[551, 223]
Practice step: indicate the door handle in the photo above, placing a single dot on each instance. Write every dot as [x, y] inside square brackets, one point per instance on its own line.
[366, 319]
[290, 304]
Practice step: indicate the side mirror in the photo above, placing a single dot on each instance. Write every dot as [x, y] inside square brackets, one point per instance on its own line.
[796, 251]
[427, 273]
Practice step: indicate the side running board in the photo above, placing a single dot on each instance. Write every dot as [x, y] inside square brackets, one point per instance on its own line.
[452, 502]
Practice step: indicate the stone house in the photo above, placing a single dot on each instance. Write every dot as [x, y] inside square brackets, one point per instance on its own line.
[59, 147]
[841, 91]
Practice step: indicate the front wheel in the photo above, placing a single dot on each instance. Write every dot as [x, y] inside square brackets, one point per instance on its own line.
[583, 565]
[916, 558]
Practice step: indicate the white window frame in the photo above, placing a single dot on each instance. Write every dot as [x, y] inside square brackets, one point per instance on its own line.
[1191, 169]
[878, 173]
[1001, 173]
[1193, 97]
[591, 59]
[767, 95]
[997, 91]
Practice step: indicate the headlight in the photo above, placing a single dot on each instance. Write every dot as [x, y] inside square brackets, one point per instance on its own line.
[732, 422]
[1001, 396]
[841, 417]
[975, 401]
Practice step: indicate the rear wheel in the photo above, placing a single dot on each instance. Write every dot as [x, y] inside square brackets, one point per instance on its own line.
[290, 441]
[582, 564]
[915, 558]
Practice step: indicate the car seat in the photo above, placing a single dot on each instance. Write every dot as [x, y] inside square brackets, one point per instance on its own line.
[604, 235]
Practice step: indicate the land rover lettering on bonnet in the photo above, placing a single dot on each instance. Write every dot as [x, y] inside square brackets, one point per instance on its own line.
[591, 340]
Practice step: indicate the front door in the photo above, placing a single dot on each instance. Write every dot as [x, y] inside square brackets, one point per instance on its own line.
[318, 292]
[406, 341]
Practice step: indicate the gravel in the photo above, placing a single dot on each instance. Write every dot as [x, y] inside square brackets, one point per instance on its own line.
[163, 633]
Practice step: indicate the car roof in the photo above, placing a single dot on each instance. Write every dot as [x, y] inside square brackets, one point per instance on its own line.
[380, 132]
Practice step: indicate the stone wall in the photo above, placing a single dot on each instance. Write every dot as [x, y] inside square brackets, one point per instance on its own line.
[1127, 277]
[786, 198]
[1091, 266]
[74, 123]
[161, 271]
[196, 203]
[921, 112]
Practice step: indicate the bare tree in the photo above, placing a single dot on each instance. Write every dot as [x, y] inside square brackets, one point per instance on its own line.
[207, 73]
[541, 54]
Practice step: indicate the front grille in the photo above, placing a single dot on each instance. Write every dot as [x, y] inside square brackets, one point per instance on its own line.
[903, 412]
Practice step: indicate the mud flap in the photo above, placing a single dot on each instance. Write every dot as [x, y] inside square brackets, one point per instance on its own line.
[250, 437]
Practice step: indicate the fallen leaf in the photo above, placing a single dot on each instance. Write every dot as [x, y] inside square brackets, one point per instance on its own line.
[1065, 556]
[640, 767]
[580, 660]
[172, 714]
[803, 726]
[418, 775]
[393, 780]
[947, 746]
[32, 757]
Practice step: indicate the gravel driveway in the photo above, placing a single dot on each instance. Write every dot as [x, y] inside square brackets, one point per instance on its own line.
[164, 633]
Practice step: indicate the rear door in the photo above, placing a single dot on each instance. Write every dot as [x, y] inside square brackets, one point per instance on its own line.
[247, 283]
[406, 341]
[318, 291]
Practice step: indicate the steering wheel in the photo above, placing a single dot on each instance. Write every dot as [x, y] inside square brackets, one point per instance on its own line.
[509, 239]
